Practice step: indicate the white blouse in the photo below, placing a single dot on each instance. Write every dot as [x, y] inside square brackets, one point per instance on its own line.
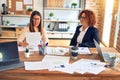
[81, 35]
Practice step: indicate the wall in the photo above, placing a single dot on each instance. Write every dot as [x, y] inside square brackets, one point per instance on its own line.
[118, 38]
[114, 22]
[38, 5]
[118, 42]
[98, 7]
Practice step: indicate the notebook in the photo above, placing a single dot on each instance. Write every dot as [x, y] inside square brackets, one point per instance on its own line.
[104, 56]
[9, 57]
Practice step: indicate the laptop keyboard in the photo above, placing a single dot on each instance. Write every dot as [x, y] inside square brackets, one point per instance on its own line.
[8, 63]
[106, 56]
[9, 66]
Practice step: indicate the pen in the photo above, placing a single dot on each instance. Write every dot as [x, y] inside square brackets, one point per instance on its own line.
[82, 48]
[46, 44]
[60, 66]
[41, 42]
[94, 63]
[107, 66]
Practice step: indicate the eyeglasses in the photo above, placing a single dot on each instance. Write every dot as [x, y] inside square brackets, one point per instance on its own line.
[82, 17]
[36, 18]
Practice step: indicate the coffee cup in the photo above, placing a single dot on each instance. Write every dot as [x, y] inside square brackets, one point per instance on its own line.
[74, 52]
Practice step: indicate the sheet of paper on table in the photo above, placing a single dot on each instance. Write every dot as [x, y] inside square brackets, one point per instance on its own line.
[57, 50]
[84, 50]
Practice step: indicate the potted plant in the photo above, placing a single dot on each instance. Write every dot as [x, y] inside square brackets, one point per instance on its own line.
[7, 22]
[68, 27]
[73, 5]
[29, 11]
[51, 15]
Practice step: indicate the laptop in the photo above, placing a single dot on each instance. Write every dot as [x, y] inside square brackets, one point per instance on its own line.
[104, 56]
[9, 57]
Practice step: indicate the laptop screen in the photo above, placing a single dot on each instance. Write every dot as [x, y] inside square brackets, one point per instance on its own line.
[8, 51]
[98, 48]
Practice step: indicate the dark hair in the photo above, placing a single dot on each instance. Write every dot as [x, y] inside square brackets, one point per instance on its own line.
[31, 28]
[89, 16]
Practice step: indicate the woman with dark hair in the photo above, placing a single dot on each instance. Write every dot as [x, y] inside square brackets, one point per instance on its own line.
[86, 32]
[34, 26]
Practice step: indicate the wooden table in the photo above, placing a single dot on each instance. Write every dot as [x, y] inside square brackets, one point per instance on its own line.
[22, 74]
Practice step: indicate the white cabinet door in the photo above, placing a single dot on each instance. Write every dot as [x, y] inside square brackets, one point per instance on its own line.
[54, 35]
[67, 35]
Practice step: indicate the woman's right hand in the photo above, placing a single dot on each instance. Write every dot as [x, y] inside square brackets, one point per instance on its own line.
[23, 44]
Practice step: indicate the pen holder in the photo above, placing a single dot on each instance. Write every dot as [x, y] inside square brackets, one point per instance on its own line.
[74, 52]
[42, 49]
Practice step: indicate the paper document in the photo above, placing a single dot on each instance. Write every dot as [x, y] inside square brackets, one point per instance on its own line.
[58, 63]
[37, 65]
[92, 66]
[84, 50]
[56, 58]
[33, 38]
[57, 50]
[62, 67]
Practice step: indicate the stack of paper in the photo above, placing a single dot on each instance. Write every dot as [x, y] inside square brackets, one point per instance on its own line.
[84, 50]
[61, 63]
[37, 65]
[57, 50]
[58, 63]
[52, 63]
[87, 65]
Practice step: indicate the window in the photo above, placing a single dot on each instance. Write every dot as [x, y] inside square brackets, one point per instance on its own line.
[117, 26]
[107, 21]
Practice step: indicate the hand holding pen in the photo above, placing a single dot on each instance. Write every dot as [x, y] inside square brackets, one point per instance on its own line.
[43, 48]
